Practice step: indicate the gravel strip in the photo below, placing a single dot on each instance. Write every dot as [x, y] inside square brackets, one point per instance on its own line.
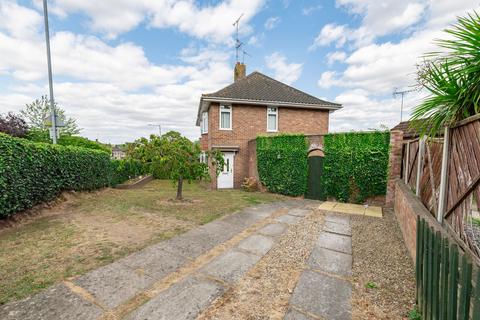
[383, 273]
[265, 290]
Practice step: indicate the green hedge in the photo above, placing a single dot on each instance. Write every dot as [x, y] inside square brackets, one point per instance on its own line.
[355, 165]
[123, 170]
[282, 163]
[31, 173]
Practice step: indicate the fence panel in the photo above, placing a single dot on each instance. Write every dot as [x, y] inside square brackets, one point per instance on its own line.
[444, 287]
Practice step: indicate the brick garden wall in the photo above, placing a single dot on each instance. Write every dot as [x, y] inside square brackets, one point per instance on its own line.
[394, 165]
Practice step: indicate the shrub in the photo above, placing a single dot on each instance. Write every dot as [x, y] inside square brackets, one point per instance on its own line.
[123, 170]
[31, 173]
[37, 135]
[13, 125]
[355, 165]
[282, 163]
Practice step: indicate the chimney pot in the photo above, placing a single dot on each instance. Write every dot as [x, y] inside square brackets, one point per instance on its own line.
[240, 71]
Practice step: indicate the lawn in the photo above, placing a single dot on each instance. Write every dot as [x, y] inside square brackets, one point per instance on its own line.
[88, 230]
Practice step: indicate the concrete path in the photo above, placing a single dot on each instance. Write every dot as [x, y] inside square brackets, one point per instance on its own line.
[324, 288]
[181, 277]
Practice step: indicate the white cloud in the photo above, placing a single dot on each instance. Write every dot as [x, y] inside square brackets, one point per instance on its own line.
[378, 19]
[283, 71]
[309, 10]
[331, 33]
[335, 56]
[373, 69]
[271, 23]
[212, 22]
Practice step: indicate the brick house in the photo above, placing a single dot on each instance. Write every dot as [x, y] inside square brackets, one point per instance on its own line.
[255, 105]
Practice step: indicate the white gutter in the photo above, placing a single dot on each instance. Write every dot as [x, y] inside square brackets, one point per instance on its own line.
[204, 106]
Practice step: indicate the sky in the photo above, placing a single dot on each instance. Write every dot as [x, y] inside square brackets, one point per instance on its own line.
[122, 65]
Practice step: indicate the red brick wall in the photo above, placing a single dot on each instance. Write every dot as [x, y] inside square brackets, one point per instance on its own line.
[394, 164]
[250, 121]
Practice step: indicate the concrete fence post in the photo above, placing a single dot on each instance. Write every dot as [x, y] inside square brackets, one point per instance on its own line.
[442, 201]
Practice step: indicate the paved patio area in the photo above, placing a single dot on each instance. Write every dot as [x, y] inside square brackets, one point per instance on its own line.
[350, 208]
[182, 277]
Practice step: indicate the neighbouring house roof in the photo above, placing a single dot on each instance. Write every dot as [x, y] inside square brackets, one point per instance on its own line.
[257, 88]
[409, 128]
[117, 149]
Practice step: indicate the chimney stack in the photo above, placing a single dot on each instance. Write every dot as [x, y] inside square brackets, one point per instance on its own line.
[240, 71]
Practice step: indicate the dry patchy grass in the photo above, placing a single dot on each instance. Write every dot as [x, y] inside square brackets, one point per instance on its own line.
[92, 229]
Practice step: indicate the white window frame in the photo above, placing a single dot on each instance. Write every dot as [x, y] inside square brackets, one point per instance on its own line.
[204, 123]
[227, 109]
[275, 113]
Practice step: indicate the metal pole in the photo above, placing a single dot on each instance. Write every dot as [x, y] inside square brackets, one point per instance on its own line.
[442, 201]
[50, 79]
[421, 146]
[401, 109]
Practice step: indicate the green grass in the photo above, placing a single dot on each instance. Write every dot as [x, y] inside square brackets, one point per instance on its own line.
[371, 285]
[95, 229]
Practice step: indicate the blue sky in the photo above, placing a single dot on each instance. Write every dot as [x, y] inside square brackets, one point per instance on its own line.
[120, 65]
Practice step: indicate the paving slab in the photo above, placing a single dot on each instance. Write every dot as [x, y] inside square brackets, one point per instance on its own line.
[327, 205]
[335, 242]
[339, 228]
[154, 261]
[244, 219]
[372, 211]
[331, 261]
[182, 301]
[114, 284]
[230, 266]
[341, 219]
[298, 212]
[323, 296]
[56, 302]
[295, 315]
[273, 229]
[191, 244]
[256, 244]
[288, 219]
[220, 230]
[349, 208]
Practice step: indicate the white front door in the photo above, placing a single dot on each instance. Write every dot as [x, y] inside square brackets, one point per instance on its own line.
[225, 178]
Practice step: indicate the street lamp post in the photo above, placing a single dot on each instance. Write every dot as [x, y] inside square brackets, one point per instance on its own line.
[50, 79]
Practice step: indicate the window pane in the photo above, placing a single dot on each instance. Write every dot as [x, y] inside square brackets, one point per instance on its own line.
[272, 122]
[225, 120]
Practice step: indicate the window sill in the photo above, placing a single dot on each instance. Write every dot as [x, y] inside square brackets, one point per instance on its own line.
[225, 129]
[272, 130]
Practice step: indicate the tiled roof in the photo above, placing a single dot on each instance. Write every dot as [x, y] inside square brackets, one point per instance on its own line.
[409, 128]
[259, 87]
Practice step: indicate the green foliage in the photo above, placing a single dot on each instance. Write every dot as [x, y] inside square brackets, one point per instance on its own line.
[452, 77]
[175, 157]
[282, 163]
[414, 314]
[125, 169]
[371, 285]
[31, 173]
[38, 135]
[36, 112]
[355, 165]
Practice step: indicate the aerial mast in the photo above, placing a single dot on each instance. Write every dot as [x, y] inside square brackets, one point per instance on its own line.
[238, 43]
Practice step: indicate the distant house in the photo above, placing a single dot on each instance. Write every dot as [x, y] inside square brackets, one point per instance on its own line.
[118, 153]
[255, 105]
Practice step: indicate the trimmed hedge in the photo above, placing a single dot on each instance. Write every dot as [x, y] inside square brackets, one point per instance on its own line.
[31, 173]
[282, 163]
[123, 170]
[355, 165]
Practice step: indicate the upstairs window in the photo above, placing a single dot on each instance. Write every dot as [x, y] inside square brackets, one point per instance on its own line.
[225, 118]
[204, 124]
[272, 119]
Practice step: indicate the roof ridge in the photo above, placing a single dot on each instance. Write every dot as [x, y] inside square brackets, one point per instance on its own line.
[289, 86]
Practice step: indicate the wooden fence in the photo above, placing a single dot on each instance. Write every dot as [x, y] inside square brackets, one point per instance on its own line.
[444, 173]
[448, 285]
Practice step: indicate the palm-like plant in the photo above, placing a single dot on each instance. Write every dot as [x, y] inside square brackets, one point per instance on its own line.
[452, 77]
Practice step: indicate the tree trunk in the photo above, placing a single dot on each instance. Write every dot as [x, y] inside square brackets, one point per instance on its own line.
[179, 188]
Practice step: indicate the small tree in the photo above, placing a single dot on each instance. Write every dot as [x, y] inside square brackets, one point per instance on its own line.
[38, 110]
[179, 155]
[13, 125]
